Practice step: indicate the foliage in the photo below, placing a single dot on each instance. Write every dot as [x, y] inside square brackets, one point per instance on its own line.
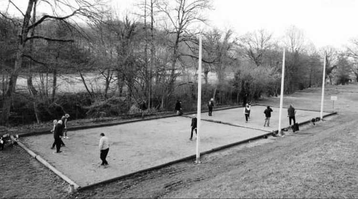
[158, 65]
[343, 70]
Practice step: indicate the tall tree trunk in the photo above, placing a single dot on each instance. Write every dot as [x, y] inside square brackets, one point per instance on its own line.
[152, 51]
[32, 90]
[54, 84]
[33, 93]
[85, 84]
[18, 63]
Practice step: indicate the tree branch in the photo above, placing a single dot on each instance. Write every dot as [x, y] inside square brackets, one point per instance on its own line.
[52, 17]
[49, 39]
[17, 8]
[34, 60]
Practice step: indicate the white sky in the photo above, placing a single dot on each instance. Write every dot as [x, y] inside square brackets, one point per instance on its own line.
[324, 22]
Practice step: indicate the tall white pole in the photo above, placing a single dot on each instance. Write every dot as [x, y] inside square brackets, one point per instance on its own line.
[323, 84]
[282, 88]
[199, 103]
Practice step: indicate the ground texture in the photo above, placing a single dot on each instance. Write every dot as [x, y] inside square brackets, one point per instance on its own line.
[318, 161]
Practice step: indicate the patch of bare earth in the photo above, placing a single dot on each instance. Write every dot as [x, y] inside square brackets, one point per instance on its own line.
[318, 161]
[21, 176]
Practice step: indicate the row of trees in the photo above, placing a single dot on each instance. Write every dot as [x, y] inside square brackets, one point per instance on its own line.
[151, 58]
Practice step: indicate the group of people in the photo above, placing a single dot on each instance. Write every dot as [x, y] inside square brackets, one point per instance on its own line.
[179, 109]
[247, 110]
[291, 113]
[59, 131]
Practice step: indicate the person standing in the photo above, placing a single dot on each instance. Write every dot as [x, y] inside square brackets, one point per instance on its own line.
[291, 114]
[194, 122]
[178, 107]
[104, 148]
[64, 122]
[57, 135]
[53, 132]
[143, 107]
[247, 112]
[267, 113]
[210, 106]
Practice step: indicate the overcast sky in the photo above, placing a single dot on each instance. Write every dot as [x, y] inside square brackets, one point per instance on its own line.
[324, 22]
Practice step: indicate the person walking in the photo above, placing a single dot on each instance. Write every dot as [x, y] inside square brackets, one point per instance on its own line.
[210, 106]
[267, 113]
[53, 132]
[104, 148]
[57, 135]
[291, 114]
[194, 122]
[64, 122]
[247, 112]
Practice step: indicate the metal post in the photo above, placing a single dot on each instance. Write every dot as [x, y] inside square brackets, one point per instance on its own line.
[199, 104]
[323, 84]
[281, 95]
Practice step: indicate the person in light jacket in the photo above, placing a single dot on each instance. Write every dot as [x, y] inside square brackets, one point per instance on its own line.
[247, 112]
[104, 148]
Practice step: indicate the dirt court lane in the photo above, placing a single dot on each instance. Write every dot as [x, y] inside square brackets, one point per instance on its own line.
[141, 145]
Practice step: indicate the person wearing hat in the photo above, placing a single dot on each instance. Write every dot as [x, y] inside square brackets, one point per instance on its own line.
[104, 148]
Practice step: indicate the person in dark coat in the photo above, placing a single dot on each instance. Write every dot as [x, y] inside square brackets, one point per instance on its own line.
[210, 106]
[178, 107]
[194, 122]
[267, 113]
[291, 114]
[57, 135]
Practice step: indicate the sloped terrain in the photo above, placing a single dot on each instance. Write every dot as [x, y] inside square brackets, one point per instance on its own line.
[318, 161]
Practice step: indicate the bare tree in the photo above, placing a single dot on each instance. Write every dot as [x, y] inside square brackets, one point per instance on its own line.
[331, 56]
[295, 40]
[352, 53]
[59, 8]
[178, 16]
[256, 44]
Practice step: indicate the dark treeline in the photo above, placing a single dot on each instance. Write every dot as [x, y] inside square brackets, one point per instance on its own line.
[147, 62]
